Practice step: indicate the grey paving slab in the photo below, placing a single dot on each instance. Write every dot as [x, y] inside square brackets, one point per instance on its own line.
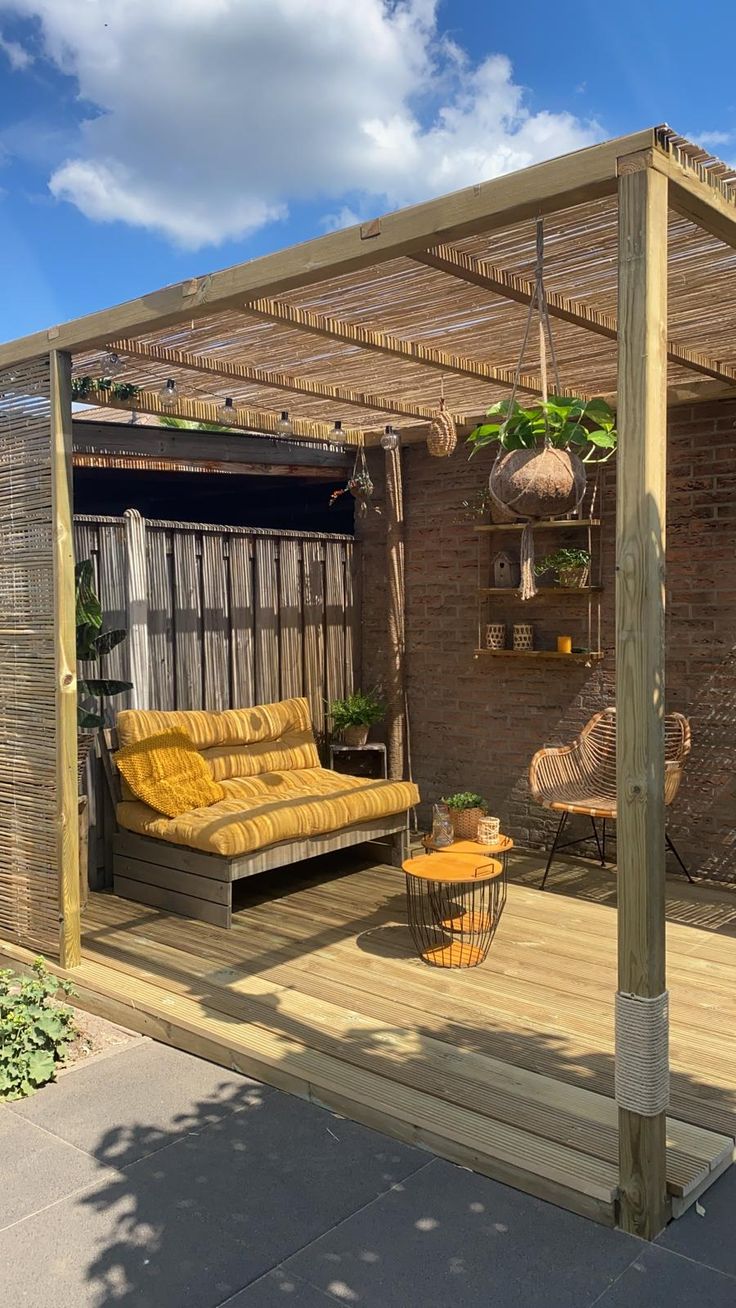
[658, 1279]
[199, 1220]
[135, 1102]
[36, 1169]
[277, 1290]
[711, 1238]
[446, 1236]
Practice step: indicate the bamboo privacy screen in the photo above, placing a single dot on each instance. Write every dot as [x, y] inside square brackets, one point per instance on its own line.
[228, 616]
[29, 889]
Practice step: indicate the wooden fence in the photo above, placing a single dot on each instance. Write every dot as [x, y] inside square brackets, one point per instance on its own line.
[220, 617]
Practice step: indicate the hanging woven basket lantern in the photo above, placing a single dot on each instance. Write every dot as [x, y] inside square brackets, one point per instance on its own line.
[442, 437]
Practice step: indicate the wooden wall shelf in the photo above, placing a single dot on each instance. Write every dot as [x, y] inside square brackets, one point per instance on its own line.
[552, 524]
[545, 592]
[594, 656]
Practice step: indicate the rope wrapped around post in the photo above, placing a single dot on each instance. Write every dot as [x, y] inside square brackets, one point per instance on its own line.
[642, 1077]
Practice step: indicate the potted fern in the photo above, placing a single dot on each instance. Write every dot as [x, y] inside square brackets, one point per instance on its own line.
[354, 716]
[570, 567]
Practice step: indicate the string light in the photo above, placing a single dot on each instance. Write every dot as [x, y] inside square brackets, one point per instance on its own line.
[390, 438]
[337, 433]
[226, 412]
[112, 363]
[283, 426]
[168, 394]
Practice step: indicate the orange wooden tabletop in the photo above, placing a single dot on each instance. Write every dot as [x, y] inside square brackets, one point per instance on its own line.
[473, 847]
[451, 868]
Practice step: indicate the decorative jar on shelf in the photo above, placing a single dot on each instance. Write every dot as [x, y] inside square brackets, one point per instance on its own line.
[442, 829]
[496, 635]
[489, 829]
[523, 636]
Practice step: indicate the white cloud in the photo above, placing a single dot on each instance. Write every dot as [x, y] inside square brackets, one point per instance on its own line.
[708, 139]
[215, 115]
[18, 58]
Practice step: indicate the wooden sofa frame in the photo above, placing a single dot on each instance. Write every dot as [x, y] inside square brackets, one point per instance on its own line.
[197, 885]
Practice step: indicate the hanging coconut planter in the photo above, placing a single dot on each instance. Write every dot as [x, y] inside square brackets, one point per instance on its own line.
[442, 437]
[539, 472]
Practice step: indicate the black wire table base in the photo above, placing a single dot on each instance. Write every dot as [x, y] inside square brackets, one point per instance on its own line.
[453, 922]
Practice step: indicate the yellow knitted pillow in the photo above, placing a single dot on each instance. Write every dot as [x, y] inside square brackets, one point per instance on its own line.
[168, 773]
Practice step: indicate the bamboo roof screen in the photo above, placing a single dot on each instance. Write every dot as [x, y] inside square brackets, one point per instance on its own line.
[334, 335]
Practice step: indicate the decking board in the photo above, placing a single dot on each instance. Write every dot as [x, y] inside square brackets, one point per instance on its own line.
[506, 1068]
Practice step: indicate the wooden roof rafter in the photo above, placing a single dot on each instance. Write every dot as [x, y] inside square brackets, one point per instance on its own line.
[226, 370]
[479, 272]
[368, 338]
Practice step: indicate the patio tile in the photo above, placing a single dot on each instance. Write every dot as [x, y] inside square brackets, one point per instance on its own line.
[448, 1236]
[151, 1095]
[659, 1279]
[279, 1289]
[197, 1222]
[36, 1169]
[708, 1239]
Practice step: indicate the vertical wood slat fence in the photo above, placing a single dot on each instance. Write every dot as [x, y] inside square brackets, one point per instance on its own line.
[29, 873]
[228, 617]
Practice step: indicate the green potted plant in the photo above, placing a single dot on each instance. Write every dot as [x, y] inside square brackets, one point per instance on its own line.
[466, 809]
[92, 644]
[570, 567]
[354, 716]
[540, 472]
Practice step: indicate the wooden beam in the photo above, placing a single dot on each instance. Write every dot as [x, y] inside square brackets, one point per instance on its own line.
[396, 617]
[65, 662]
[640, 655]
[478, 272]
[544, 188]
[207, 411]
[369, 339]
[699, 188]
[122, 439]
[223, 369]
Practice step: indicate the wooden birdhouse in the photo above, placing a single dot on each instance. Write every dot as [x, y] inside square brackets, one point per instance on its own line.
[505, 571]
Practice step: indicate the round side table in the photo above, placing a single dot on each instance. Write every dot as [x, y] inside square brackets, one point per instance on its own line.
[455, 900]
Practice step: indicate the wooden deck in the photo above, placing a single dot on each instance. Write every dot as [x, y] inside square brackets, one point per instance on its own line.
[507, 1068]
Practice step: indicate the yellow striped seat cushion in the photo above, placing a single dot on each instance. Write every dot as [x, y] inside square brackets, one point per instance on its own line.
[275, 806]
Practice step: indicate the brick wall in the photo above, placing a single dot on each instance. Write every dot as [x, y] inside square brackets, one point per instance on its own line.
[476, 723]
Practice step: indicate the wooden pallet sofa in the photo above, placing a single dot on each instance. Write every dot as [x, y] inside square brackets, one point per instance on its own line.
[279, 807]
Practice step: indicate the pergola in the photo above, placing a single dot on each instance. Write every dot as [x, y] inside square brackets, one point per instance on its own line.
[364, 327]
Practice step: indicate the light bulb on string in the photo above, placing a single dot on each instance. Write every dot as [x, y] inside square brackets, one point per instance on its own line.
[337, 434]
[168, 394]
[283, 426]
[390, 438]
[226, 413]
[112, 364]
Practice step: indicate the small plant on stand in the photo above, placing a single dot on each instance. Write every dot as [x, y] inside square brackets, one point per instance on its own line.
[354, 716]
[570, 567]
[466, 810]
[92, 644]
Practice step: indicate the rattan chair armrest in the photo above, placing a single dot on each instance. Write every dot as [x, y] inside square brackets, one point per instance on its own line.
[541, 777]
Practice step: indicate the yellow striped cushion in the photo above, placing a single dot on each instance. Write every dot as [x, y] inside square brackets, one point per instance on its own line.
[295, 749]
[205, 729]
[247, 726]
[168, 773]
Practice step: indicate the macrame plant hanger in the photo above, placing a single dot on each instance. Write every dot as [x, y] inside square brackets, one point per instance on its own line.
[538, 305]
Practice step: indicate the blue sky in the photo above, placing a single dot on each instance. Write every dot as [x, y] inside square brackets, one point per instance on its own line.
[142, 141]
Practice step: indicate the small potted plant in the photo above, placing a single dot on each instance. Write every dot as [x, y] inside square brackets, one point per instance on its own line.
[570, 567]
[466, 810]
[354, 716]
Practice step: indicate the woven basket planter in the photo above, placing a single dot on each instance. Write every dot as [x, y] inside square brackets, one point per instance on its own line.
[538, 483]
[442, 437]
[574, 578]
[465, 822]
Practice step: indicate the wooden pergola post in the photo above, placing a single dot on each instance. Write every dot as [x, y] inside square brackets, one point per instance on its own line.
[641, 1003]
[396, 627]
[65, 660]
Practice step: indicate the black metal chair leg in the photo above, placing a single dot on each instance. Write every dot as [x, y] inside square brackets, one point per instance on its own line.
[671, 845]
[597, 841]
[555, 843]
[603, 856]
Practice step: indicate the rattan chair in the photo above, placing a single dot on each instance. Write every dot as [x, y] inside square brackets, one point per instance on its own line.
[581, 778]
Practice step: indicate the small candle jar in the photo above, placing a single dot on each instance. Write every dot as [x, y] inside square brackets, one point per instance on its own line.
[564, 644]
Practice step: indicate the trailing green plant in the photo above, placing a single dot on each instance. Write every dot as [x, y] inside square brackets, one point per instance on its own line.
[361, 709]
[476, 505]
[35, 1029]
[562, 559]
[466, 799]
[565, 422]
[92, 644]
[89, 388]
